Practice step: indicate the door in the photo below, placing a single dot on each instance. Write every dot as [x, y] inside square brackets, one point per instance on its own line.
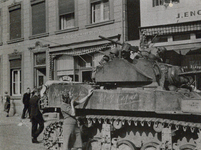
[40, 77]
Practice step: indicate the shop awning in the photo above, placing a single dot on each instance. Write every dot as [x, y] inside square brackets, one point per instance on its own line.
[171, 29]
[83, 51]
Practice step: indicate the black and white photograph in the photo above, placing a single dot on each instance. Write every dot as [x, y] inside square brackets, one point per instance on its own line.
[100, 74]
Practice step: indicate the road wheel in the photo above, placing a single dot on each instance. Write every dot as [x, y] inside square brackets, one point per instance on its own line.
[150, 146]
[187, 147]
[52, 136]
[94, 144]
[125, 145]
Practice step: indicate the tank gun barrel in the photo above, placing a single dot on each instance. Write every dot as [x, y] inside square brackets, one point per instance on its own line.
[110, 40]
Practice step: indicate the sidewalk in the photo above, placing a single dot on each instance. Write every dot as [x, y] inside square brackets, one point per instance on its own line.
[15, 133]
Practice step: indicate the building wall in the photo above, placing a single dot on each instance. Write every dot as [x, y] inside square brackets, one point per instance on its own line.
[27, 46]
[181, 12]
[179, 24]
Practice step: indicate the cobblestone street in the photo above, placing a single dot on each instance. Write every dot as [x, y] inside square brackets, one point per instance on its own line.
[15, 134]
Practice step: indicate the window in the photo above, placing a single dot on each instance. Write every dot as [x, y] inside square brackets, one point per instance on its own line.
[66, 14]
[158, 39]
[181, 37]
[0, 28]
[99, 11]
[198, 35]
[16, 82]
[83, 61]
[162, 2]
[38, 17]
[15, 22]
[40, 59]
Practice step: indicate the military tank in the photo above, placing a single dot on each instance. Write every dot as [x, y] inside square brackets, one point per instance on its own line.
[138, 103]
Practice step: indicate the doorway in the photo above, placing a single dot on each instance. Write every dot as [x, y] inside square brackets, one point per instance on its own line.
[86, 76]
[40, 77]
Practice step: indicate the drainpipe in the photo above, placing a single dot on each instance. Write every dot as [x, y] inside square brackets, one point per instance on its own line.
[123, 19]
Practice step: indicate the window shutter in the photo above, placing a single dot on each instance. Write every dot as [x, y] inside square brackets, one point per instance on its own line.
[66, 6]
[15, 23]
[38, 18]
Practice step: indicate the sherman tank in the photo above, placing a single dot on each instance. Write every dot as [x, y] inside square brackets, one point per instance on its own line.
[138, 103]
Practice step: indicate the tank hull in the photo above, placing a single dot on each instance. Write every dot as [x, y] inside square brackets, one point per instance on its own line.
[130, 118]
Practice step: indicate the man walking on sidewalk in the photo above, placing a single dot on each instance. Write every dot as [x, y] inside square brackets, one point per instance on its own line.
[7, 103]
[36, 117]
[25, 100]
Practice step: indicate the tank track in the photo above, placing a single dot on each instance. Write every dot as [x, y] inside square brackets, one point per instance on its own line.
[52, 141]
[136, 120]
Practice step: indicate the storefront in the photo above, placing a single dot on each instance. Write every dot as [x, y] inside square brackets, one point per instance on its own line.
[77, 63]
[39, 63]
[191, 62]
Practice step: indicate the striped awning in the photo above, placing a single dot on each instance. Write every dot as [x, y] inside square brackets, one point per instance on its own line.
[171, 29]
[83, 51]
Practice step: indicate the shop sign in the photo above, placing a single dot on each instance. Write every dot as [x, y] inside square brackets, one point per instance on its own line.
[191, 63]
[66, 78]
[188, 14]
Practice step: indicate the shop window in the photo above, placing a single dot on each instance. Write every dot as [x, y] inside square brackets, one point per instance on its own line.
[181, 37]
[158, 39]
[86, 76]
[39, 69]
[16, 82]
[198, 35]
[100, 11]
[15, 21]
[85, 61]
[162, 2]
[66, 14]
[38, 17]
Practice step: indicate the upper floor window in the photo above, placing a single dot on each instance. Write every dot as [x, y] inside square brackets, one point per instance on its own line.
[38, 16]
[15, 21]
[162, 2]
[100, 11]
[0, 28]
[66, 14]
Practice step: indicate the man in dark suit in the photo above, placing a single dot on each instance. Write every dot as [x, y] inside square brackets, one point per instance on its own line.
[36, 116]
[25, 100]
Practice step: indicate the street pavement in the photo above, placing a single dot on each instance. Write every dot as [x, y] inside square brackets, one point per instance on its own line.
[15, 133]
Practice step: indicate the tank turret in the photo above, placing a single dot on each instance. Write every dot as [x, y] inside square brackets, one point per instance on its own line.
[142, 104]
[128, 66]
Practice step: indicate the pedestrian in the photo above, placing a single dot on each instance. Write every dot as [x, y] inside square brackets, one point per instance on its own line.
[70, 125]
[36, 116]
[25, 100]
[7, 103]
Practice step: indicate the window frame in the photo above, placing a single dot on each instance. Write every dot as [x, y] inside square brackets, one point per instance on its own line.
[11, 8]
[68, 13]
[1, 28]
[111, 15]
[19, 82]
[39, 35]
[92, 8]
[75, 28]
